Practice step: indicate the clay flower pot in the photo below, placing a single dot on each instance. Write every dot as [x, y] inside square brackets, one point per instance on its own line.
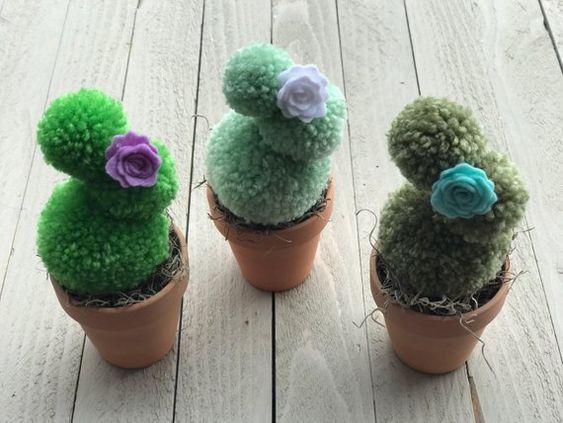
[138, 335]
[274, 260]
[430, 343]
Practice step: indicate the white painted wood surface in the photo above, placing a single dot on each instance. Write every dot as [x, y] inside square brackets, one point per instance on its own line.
[322, 363]
[29, 40]
[380, 80]
[496, 57]
[498, 60]
[41, 358]
[225, 367]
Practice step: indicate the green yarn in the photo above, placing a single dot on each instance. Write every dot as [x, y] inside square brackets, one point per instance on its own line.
[250, 83]
[94, 236]
[506, 212]
[265, 168]
[256, 183]
[139, 202]
[433, 134]
[75, 131]
[426, 257]
[430, 254]
[307, 141]
[89, 252]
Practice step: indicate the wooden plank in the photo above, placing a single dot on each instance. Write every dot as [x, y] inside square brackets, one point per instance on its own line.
[159, 100]
[41, 354]
[225, 368]
[29, 38]
[553, 10]
[380, 80]
[521, 347]
[498, 59]
[322, 363]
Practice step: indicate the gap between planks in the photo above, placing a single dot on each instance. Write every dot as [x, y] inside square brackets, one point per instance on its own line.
[191, 189]
[356, 208]
[549, 30]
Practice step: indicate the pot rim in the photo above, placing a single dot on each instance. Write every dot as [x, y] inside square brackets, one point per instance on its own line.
[174, 283]
[241, 229]
[501, 293]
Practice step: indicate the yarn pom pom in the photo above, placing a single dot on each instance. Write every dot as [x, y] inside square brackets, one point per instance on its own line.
[76, 130]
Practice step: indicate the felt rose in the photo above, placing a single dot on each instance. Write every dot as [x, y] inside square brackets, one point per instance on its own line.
[463, 191]
[132, 160]
[303, 93]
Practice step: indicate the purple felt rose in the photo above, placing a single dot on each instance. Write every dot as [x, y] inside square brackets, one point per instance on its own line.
[303, 93]
[132, 160]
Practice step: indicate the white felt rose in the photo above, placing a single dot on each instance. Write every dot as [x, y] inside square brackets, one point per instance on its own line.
[303, 93]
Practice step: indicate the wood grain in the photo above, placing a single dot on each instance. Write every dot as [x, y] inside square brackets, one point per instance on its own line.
[225, 368]
[41, 355]
[322, 363]
[29, 39]
[498, 59]
[380, 80]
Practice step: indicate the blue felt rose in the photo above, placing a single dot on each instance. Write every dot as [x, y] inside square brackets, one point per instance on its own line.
[303, 93]
[463, 191]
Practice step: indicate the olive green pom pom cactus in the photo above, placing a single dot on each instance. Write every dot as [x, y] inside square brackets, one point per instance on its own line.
[447, 231]
[105, 229]
[268, 159]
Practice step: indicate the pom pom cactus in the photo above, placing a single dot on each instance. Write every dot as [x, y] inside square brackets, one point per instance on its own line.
[95, 236]
[268, 159]
[76, 130]
[447, 231]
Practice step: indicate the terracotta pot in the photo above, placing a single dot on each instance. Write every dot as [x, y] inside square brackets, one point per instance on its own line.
[430, 343]
[274, 260]
[138, 335]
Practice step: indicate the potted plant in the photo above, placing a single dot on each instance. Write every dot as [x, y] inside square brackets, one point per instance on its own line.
[440, 272]
[117, 263]
[268, 164]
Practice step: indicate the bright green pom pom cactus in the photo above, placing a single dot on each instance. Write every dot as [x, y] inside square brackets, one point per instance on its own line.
[268, 159]
[104, 230]
[447, 231]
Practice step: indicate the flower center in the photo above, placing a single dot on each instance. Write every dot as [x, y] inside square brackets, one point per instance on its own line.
[302, 96]
[463, 191]
[137, 165]
[464, 195]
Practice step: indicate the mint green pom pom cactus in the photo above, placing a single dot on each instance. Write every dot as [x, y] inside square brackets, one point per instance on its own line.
[268, 159]
[94, 235]
[447, 231]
